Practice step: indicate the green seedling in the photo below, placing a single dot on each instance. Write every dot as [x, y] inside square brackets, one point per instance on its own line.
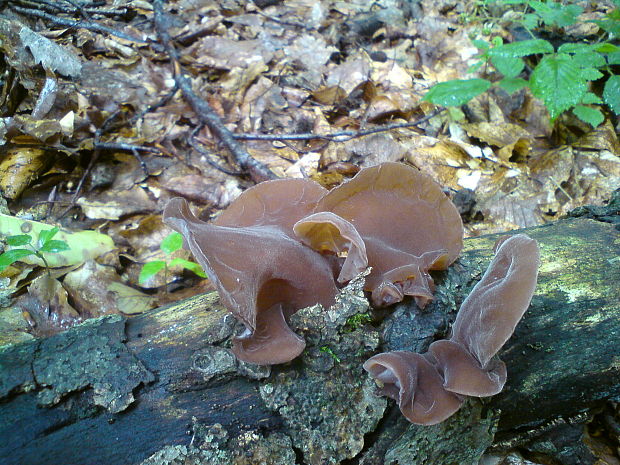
[170, 244]
[560, 78]
[22, 247]
[357, 321]
[330, 352]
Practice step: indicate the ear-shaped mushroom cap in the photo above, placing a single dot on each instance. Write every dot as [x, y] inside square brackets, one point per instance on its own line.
[254, 269]
[272, 341]
[463, 374]
[402, 215]
[413, 381]
[466, 364]
[490, 313]
[281, 203]
[327, 232]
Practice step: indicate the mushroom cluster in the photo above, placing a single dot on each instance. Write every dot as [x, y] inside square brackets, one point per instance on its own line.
[432, 386]
[287, 244]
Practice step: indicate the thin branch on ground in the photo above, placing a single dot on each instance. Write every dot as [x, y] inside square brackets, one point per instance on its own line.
[207, 155]
[90, 25]
[341, 136]
[257, 170]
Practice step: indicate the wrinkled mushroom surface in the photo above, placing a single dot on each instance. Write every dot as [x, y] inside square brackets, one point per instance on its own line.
[408, 226]
[262, 275]
[328, 233]
[465, 364]
[282, 245]
[280, 203]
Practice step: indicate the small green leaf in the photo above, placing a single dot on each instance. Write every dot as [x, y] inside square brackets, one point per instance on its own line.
[172, 242]
[613, 58]
[11, 256]
[456, 92]
[556, 14]
[573, 47]
[54, 246]
[611, 26]
[46, 235]
[150, 269]
[522, 48]
[511, 85]
[508, 66]
[191, 266]
[590, 59]
[589, 97]
[592, 116]
[611, 93]
[590, 74]
[606, 47]
[558, 81]
[19, 239]
[530, 21]
[497, 41]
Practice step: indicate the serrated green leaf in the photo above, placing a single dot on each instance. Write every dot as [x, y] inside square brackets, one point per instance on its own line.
[522, 49]
[573, 47]
[530, 21]
[511, 85]
[591, 74]
[191, 266]
[54, 246]
[589, 98]
[559, 83]
[46, 235]
[172, 242]
[456, 93]
[150, 269]
[590, 115]
[606, 47]
[19, 239]
[589, 59]
[508, 66]
[613, 58]
[610, 26]
[611, 94]
[11, 256]
[556, 14]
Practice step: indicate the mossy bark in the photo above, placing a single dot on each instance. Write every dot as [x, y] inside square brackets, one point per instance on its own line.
[162, 385]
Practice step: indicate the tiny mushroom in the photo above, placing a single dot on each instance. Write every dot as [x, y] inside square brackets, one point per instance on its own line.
[407, 224]
[262, 273]
[430, 387]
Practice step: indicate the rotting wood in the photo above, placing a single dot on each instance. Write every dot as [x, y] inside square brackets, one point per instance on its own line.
[562, 361]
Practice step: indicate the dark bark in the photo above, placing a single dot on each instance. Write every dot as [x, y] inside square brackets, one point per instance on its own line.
[70, 398]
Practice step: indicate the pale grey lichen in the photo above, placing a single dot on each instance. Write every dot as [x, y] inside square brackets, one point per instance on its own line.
[211, 444]
[328, 405]
[461, 439]
[90, 355]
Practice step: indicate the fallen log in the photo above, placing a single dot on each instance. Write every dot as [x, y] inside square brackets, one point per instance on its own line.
[163, 387]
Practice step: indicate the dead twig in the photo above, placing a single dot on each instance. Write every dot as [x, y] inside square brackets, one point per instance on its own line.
[341, 136]
[207, 155]
[90, 25]
[257, 171]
